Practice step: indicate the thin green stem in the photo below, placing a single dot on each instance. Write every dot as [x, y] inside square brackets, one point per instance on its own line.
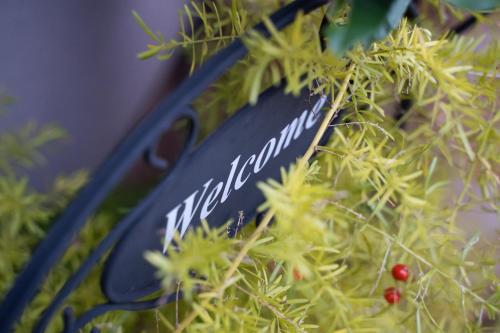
[332, 112]
[462, 287]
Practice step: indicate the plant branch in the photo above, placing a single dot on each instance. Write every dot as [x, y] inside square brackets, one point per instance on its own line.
[332, 112]
[462, 287]
[273, 309]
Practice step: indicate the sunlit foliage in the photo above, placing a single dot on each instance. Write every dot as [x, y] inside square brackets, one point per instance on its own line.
[383, 190]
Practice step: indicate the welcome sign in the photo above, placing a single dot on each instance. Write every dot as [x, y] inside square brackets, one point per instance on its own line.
[217, 182]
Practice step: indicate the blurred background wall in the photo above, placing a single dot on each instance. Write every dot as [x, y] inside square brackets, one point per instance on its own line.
[74, 63]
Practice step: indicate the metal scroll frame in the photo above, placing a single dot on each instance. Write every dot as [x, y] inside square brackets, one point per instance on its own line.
[144, 136]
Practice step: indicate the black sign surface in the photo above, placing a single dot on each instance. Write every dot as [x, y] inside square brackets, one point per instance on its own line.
[215, 182]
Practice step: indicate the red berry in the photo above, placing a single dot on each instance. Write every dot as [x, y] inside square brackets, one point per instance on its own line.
[297, 275]
[400, 272]
[392, 295]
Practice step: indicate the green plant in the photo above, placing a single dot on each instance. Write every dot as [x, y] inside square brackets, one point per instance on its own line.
[26, 213]
[380, 192]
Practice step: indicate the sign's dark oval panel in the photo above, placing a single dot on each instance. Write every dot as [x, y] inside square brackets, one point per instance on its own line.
[216, 182]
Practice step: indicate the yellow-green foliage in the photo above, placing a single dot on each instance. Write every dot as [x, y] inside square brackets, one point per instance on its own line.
[25, 213]
[382, 191]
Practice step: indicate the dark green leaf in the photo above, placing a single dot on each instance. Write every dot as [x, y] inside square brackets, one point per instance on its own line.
[370, 20]
[479, 5]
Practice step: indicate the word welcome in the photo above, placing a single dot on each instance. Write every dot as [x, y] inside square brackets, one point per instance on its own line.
[238, 175]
